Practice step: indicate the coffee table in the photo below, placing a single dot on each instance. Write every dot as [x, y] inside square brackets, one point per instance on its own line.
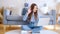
[29, 32]
[46, 32]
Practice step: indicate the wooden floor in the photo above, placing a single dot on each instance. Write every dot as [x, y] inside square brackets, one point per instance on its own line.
[12, 28]
[6, 28]
[1, 29]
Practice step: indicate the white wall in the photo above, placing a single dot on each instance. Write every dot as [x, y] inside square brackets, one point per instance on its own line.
[18, 4]
[50, 4]
[1, 3]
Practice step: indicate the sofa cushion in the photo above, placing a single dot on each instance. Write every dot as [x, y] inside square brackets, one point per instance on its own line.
[11, 17]
[17, 23]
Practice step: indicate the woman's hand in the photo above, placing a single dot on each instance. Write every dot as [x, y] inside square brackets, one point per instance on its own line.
[29, 11]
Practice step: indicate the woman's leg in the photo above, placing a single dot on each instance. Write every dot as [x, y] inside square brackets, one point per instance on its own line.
[37, 29]
[25, 27]
[31, 25]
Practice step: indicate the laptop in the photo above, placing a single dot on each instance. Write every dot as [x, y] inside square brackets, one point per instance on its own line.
[43, 21]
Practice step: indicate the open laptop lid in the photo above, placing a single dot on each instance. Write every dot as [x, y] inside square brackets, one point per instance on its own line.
[43, 21]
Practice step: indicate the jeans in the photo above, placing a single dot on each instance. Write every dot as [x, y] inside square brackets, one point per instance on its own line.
[32, 27]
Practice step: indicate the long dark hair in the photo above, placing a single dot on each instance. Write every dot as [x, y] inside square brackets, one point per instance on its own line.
[35, 13]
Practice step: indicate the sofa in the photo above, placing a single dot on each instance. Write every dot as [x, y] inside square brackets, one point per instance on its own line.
[10, 19]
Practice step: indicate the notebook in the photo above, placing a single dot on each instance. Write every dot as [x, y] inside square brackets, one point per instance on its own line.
[43, 21]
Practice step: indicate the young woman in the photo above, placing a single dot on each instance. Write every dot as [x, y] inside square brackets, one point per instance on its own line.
[31, 17]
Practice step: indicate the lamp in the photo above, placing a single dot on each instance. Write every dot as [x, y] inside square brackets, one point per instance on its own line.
[26, 4]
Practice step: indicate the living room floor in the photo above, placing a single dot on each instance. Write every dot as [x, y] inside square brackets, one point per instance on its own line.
[6, 28]
[53, 28]
[1, 29]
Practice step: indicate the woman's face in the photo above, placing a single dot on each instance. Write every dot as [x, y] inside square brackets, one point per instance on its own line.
[35, 8]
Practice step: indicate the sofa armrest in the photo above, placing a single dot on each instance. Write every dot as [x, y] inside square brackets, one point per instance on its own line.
[5, 21]
[4, 17]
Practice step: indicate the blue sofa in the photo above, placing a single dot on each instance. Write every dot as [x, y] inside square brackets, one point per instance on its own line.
[10, 19]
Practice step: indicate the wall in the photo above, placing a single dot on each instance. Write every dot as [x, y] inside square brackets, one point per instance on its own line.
[18, 4]
[1, 3]
[50, 4]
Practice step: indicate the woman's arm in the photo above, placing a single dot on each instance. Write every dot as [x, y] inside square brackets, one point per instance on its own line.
[37, 18]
